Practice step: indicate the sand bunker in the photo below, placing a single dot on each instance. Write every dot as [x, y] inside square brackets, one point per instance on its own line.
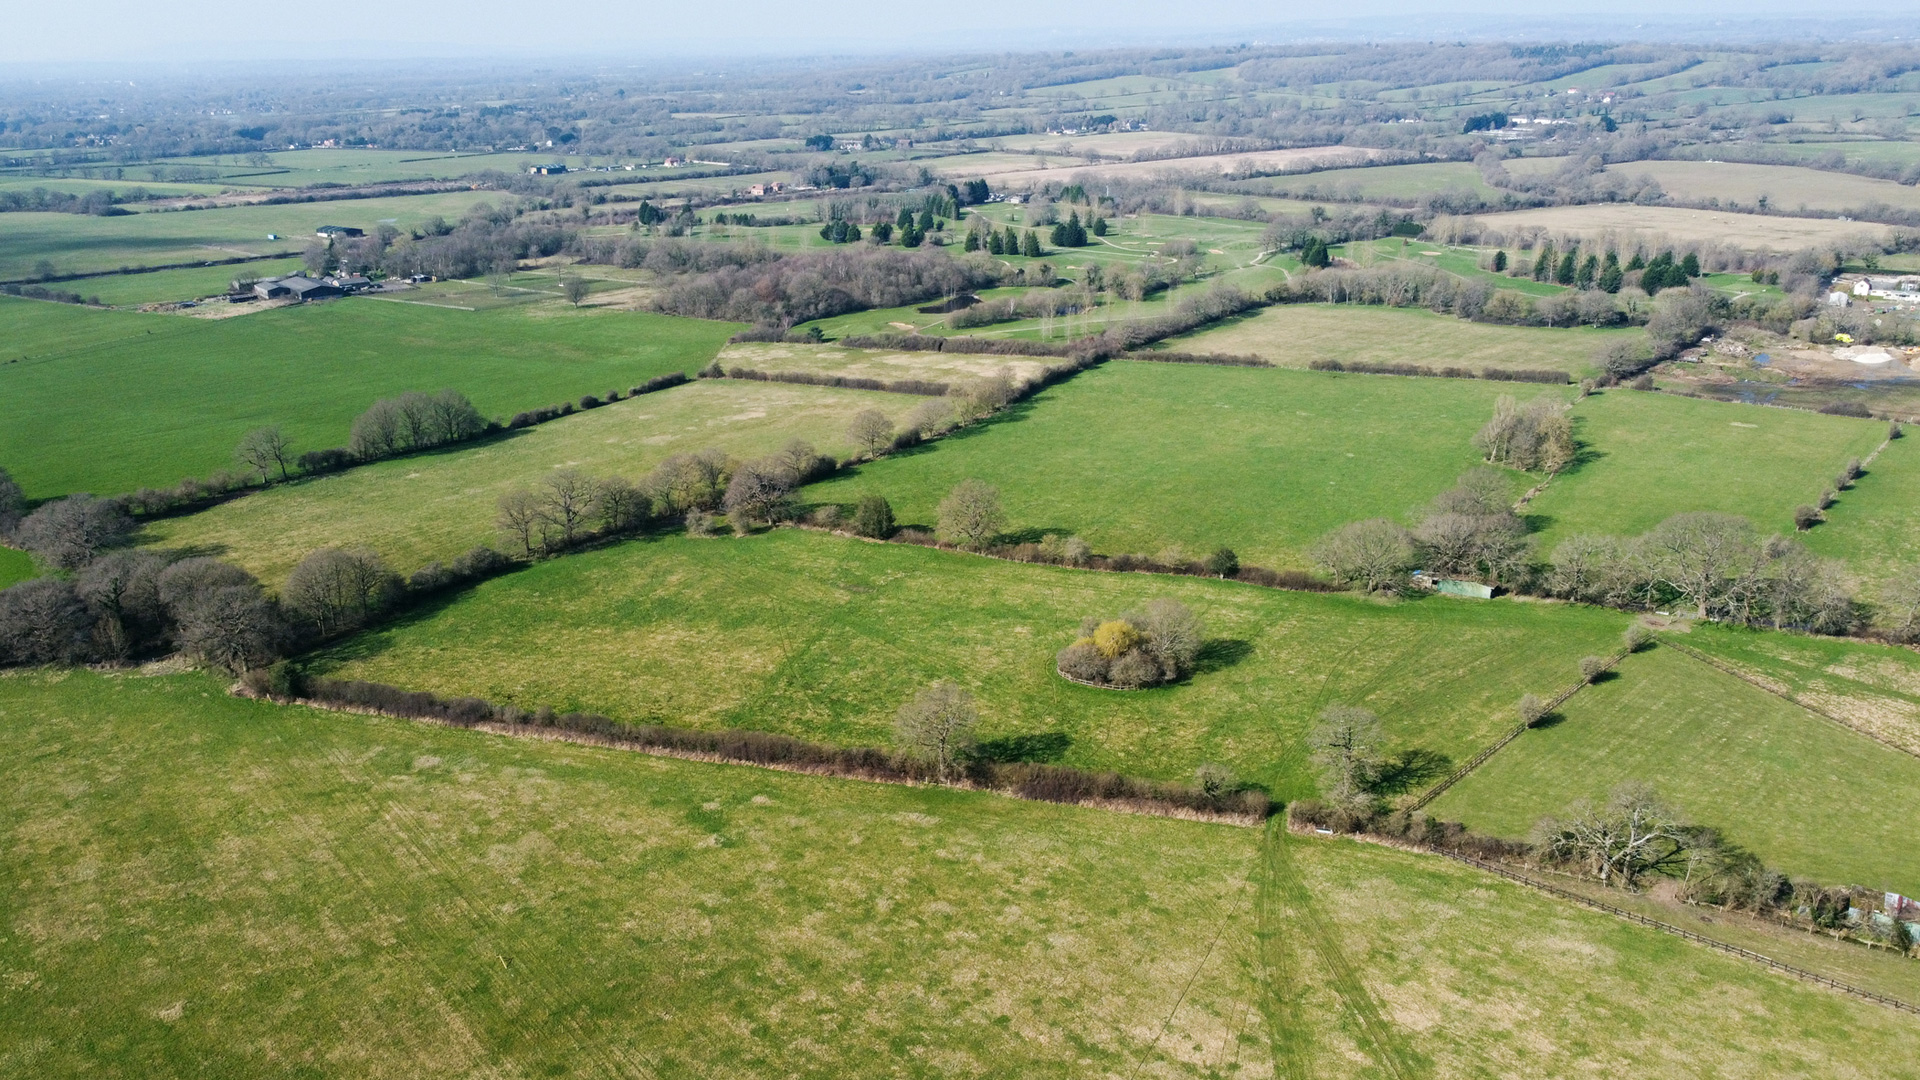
[1863, 354]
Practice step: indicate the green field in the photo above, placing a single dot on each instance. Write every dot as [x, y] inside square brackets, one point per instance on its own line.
[1875, 688]
[162, 286]
[1786, 187]
[15, 566]
[956, 369]
[1875, 525]
[1398, 182]
[824, 637]
[176, 394]
[204, 885]
[435, 506]
[1294, 335]
[1784, 783]
[207, 886]
[80, 243]
[1137, 456]
[1647, 456]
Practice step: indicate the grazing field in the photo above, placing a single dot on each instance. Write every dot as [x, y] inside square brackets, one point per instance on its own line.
[15, 566]
[1875, 525]
[1785, 187]
[1028, 175]
[199, 884]
[1875, 688]
[435, 506]
[162, 286]
[1295, 335]
[1477, 977]
[824, 637]
[1137, 457]
[1403, 183]
[1778, 780]
[176, 394]
[1657, 225]
[1647, 456]
[960, 370]
[81, 243]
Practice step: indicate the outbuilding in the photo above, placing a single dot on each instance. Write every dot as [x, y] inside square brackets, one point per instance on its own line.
[338, 232]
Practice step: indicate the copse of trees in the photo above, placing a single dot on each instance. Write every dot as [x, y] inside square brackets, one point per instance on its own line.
[1537, 436]
[336, 589]
[801, 288]
[66, 534]
[1152, 645]
[414, 421]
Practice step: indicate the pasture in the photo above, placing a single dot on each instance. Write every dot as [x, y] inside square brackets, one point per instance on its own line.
[1139, 457]
[1874, 688]
[396, 899]
[1785, 187]
[83, 244]
[1875, 525]
[958, 370]
[1405, 184]
[1776, 779]
[1647, 456]
[824, 637]
[177, 394]
[163, 286]
[1657, 226]
[434, 506]
[1028, 176]
[1295, 335]
[200, 884]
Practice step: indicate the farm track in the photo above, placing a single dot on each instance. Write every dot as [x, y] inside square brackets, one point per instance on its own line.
[1286, 908]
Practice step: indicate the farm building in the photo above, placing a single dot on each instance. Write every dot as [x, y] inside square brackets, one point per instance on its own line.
[546, 170]
[301, 288]
[342, 232]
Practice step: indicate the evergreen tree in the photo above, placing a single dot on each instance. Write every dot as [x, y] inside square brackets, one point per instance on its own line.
[1691, 265]
[1099, 226]
[926, 221]
[1076, 232]
[1499, 262]
[1059, 237]
[1568, 268]
[973, 242]
[993, 243]
[1589, 270]
[1543, 262]
[1638, 262]
[903, 219]
[1315, 253]
[1011, 242]
[1030, 246]
[1610, 274]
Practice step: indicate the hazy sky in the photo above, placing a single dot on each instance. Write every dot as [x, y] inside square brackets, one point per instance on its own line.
[138, 30]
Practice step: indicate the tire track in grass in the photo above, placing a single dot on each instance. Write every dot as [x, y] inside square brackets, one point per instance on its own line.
[1280, 1002]
[1284, 894]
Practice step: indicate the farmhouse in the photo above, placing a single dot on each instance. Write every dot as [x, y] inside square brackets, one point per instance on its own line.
[767, 189]
[340, 232]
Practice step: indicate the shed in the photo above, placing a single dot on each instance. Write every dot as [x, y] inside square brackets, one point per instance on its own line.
[1455, 587]
[546, 170]
[271, 289]
[308, 289]
[330, 232]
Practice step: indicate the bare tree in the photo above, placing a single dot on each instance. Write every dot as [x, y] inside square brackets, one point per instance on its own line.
[576, 289]
[339, 589]
[124, 587]
[1900, 605]
[688, 482]
[619, 505]
[937, 726]
[871, 431]
[1372, 554]
[970, 515]
[219, 613]
[1346, 746]
[264, 449]
[452, 418]
[1630, 835]
[518, 515]
[67, 533]
[377, 433]
[43, 621]
[1699, 555]
[566, 501]
[760, 490]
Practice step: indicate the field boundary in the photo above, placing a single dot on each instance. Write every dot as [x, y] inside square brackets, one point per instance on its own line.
[1512, 733]
[1678, 931]
[124, 271]
[1725, 668]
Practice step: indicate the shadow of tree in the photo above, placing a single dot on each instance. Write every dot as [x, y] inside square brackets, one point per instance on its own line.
[1408, 770]
[1218, 653]
[1046, 746]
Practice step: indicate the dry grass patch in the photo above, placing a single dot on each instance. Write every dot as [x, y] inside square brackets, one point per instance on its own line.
[960, 370]
[1661, 226]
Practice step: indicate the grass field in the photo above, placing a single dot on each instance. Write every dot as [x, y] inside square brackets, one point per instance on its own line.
[1473, 977]
[201, 885]
[1295, 335]
[206, 885]
[1786, 187]
[162, 286]
[1786, 784]
[178, 393]
[824, 637]
[15, 566]
[960, 370]
[435, 506]
[1647, 456]
[79, 243]
[1393, 182]
[1875, 525]
[1875, 688]
[1656, 225]
[1137, 456]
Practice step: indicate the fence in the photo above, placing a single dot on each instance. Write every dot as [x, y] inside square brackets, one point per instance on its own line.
[1513, 733]
[1729, 669]
[1711, 943]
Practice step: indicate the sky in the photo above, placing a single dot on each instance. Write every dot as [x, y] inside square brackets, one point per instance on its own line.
[138, 31]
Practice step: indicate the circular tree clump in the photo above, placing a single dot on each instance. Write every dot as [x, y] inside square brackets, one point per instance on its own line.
[1150, 646]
